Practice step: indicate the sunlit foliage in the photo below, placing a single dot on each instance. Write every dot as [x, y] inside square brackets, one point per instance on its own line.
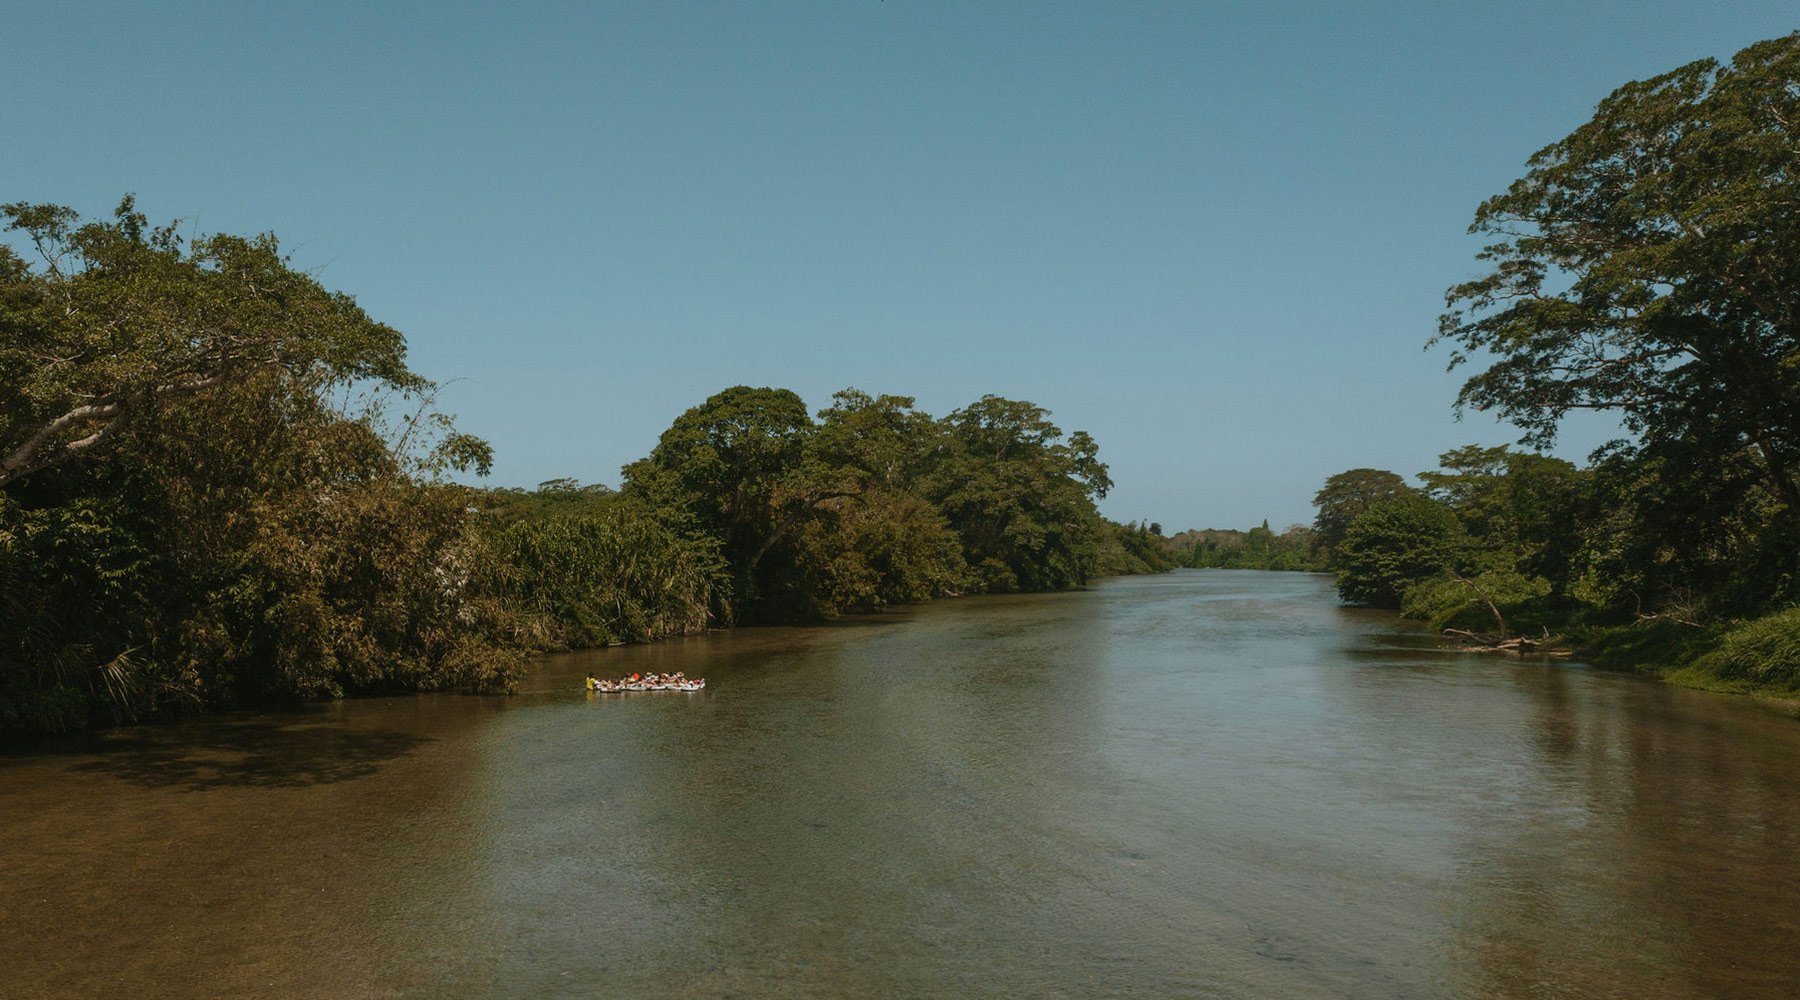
[222, 486]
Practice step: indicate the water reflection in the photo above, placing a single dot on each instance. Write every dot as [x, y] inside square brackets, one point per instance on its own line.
[1599, 822]
[1661, 836]
[248, 753]
[1210, 784]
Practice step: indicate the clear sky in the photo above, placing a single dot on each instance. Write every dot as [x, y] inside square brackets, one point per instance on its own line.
[1214, 235]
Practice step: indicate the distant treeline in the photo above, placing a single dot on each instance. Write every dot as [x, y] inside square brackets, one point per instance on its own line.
[222, 486]
[1259, 548]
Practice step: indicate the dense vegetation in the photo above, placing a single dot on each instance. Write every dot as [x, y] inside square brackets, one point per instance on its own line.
[221, 485]
[202, 499]
[1259, 548]
[1644, 266]
[877, 503]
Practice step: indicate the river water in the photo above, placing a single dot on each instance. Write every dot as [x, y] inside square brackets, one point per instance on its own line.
[1206, 784]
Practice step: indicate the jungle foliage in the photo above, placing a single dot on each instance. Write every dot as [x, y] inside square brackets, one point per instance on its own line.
[877, 503]
[1643, 266]
[192, 515]
[222, 486]
[1296, 549]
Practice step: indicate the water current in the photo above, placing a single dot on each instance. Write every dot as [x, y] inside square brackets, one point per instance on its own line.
[1201, 784]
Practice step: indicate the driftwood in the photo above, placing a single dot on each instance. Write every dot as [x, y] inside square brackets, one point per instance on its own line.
[1518, 645]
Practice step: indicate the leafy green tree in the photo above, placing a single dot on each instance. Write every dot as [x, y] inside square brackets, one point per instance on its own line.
[1259, 548]
[1019, 496]
[1344, 498]
[1395, 544]
[1477, 595]
[118, 318]
[250, 545]
[1297, 549]
[1644, 266]
[1528, 504]
[857, 510]
[885, 544]
[740, 468]
[880, 548]
[1677, 531]
[1133, 549]
[187, 519]
[879, 442]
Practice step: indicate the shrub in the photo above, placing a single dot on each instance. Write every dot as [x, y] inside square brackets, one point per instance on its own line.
[1764, 651]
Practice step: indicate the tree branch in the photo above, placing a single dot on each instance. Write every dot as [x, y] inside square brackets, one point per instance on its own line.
[32, 455]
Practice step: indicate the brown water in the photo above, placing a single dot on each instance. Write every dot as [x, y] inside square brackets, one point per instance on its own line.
[1200, 784]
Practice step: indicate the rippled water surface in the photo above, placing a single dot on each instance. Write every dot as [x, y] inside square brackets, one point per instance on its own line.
[1209, 784]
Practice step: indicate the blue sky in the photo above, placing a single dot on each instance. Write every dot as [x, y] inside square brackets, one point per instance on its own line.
[1214, 235]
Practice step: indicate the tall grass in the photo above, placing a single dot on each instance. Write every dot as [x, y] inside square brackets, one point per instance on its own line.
[610, 573]
[1763, 651]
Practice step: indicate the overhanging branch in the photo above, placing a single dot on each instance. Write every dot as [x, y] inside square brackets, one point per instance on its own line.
[37, 452]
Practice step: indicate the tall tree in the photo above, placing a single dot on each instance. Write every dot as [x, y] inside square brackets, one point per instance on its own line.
[1021, 498]
[1394, 544]
[739, 468]
[116, 318]
[1522, 502]
[1345, 496]
[880, 441]
[1646, 265]
[188, 515]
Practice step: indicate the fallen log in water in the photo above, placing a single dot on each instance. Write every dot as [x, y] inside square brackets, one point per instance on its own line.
[1519, 645]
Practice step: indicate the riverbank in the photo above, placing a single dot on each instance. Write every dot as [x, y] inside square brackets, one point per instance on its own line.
[1689, 656]
[1747, 658]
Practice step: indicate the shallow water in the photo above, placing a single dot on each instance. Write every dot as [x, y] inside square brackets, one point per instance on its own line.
[1211, 784]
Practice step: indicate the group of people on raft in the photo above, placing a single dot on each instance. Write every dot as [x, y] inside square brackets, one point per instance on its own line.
[676, 681]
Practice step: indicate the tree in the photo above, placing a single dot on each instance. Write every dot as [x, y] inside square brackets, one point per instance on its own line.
[1644, 265]
[190, 516]
[1345, 496]
[877, 503]
[882, 547]
[1395, 544]
[739, 468]
[1674, 530]
[119, 318]
[878, 441]
[1520, 502]
[886, 544]
[1021, 498]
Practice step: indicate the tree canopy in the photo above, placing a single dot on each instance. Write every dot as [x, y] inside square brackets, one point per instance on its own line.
[1394, 544]
[877, 502]
[117, 317]
[1345, 496]
[190, 516]
[741, 467]
[1645, 265]
[208, 498]
[1021, 498]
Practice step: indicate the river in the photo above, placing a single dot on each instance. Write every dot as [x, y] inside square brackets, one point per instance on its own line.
[1205, 784]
